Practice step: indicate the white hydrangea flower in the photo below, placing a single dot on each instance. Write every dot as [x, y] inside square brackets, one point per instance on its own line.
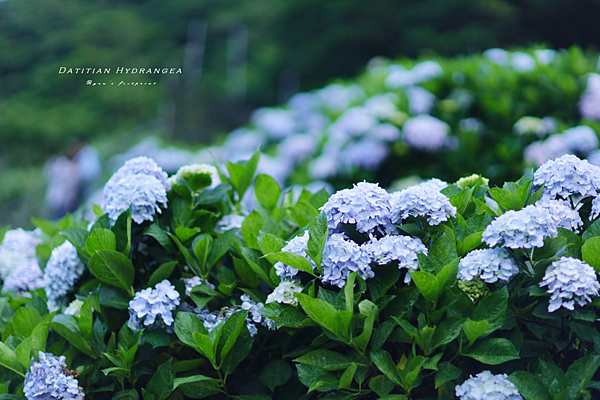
[562, 214]
[486, 386]
[190, 283]
[61, 272]
[18, 249]
[422, 201]
[284, 293]
[403, 249]
[489, 265]
[425, 132]
[566, 176]
[570, 280]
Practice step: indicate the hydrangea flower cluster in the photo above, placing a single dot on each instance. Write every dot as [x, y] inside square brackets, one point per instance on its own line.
[140, 183]
[211, 319]
[297, 245]
[61, 272]
[472, 180]
[566, 176]
[434, 184]
[153, 307]
[366, 205]
[26, 277]
[421, 201]
[403, 249]
[489, 265]
[74, 308]
[523, 229]
[341, 257]
[49, 378]
[284, 293]
[562, 214]
[425, 132]
[570, 280]
[487, 386]
[475, 289]
[190, 283]
[18, 249]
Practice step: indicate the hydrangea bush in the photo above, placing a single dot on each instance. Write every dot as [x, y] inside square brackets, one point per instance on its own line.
[440, 291]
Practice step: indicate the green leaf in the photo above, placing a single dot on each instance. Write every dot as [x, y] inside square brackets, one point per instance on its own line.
[580, 373]
[347, 376]
[192, 379]
[220, 247]
[492, 308]
[494, 351]
[257, 266]
[267, 191]
[161, 383]
[101, 239]
[427, 285]
[445, 373]
[470, 242]
[23, 352]
[251, 227]
[590, 252]
[383, 361]
[157, 338]
[184, 233]
[202, 246]
[198, 388]
[161, 273]
[193, 263]
[67, 327]
[160, 235]
[325, 315]
[530, 387]
[592, 231]
[270, 243]
[205, 346]
[446, 331]
[442, 252]
[214, 195]
[240, 349]
[381, 385]
[122, 231]
[86, 319]
[77, 237]
[112, 268]
[113, 297]
[505, 199]
[276, 373]
[185, 325]
[8, 359]
[318, 233]
[475, 329]
[293, 260]
[231, 331]
[242, 173]
[24, 321]
[326, 360]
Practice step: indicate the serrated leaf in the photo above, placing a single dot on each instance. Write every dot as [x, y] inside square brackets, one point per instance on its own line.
[326, 360]
[101, 239]
[161, 273]
[267, 191]
[494, 351]
[113, 268]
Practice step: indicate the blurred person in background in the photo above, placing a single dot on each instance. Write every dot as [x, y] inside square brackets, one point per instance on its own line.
[89, 165]
[63, 185]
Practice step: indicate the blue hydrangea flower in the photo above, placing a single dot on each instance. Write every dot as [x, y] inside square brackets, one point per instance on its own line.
[49, 379]
[595, 208]
[422, 201]
[61, 272]
[341, 257]
[570, 280]
[228, 222]
[433, 184]
[140, 166]
[403, 249]
[566, 176]
[486, 386]
[211, 319]
[254, 317]
[367, 154]
[562, 214]
[420, 100]
[580, 139]
[425, 132]
[18, 249]
[366, 205]
[151, 308]
[284, 292]
[523, 229]
[26, 277]
[297, 245]
[195, 281]
[144, 192]
[489, 265]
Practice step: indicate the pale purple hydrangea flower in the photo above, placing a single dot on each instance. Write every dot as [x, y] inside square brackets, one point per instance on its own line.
[570, 280]
[489, 265]
[580, 139]
[324, 166]
[297, 245]
[595, 208]
[420, 101]
[427, 70]
[297, 148]
[211, 319]
[545, 56]
[385, 132]
[382, 106]
[567, 176]
[538, 153]
[338, 98]
[18, 249]
[152, 308]
[486, 386]
[144, 192]
[254, 317]
[139, 166]
[284, 292]
[232, 221]
[589, 104]
[341, 257]
[562, 214]
[190, 283]
[366, 205]
[403, 249]
[433, 184]
[61, 272]
[497, 56]
[26, 277]
[594, 158]
[49, 379]
[522, 62]
[276, 123]
[355, 122]
[523, 229]
[367, 154]
[421, 201]
[472, 125]
[399, 77]
[425, 132]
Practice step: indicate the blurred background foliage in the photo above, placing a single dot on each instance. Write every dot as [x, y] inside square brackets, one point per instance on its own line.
[293, 45]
